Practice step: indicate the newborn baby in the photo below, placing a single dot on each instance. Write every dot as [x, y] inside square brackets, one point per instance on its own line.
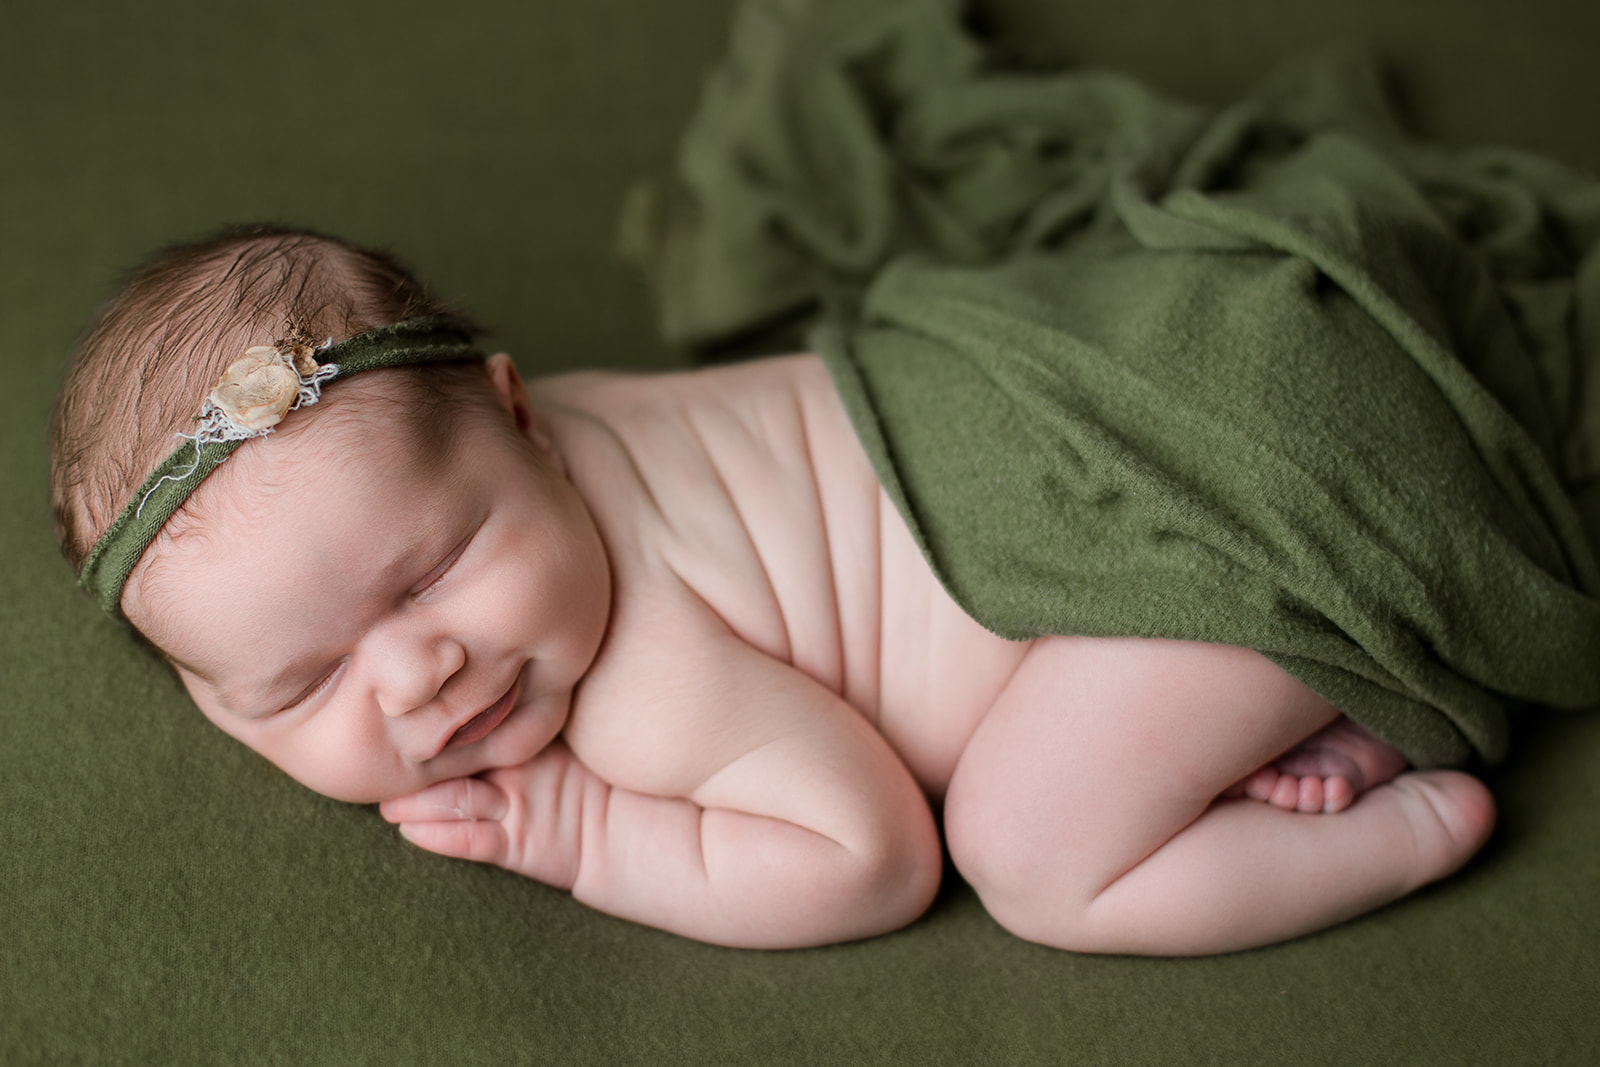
[664, 641]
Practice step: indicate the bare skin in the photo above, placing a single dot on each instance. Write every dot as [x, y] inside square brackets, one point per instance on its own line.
[765, 690]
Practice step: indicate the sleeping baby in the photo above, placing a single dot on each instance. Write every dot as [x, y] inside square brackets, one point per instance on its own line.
[667, 642]
[1170, 504]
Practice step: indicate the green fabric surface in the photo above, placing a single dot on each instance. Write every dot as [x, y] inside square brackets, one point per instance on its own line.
[1271, 375]
[169, 898]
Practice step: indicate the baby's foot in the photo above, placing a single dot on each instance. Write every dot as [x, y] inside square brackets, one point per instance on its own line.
[1325, 772]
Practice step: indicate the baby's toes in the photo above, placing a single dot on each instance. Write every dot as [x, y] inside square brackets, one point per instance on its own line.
[1338, 794]
[1285, 793]
[1310, 795]
[1262, 784]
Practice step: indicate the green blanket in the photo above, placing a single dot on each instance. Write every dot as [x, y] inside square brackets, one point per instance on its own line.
[1273, 376]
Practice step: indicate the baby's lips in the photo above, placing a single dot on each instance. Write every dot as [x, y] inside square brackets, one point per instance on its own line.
[484, 722]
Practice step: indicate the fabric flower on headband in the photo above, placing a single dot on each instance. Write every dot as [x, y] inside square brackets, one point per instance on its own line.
[260, 387]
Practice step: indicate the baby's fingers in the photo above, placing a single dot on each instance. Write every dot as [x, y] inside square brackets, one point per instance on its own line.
[457, 818]
[452, 801]
[483, 842]
[513, 817]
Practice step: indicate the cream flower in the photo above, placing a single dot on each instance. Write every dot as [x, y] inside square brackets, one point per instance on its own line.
[257, 389]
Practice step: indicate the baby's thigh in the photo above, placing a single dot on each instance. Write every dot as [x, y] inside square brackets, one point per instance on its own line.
[1099, 750]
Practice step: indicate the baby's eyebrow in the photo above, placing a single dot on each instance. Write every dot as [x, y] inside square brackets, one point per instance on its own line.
[421, 542]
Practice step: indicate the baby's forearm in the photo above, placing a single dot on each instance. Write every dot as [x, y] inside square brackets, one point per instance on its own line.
[748, 880]
[710, 873]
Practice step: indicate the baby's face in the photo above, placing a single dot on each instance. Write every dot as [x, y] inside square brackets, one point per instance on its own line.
[373, 621]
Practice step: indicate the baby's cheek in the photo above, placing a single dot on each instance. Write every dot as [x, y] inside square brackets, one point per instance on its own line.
[341, 764]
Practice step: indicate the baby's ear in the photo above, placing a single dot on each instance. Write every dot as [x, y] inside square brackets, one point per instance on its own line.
[513, 395]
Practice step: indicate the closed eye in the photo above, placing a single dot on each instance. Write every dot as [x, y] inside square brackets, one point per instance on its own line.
[432, 579]
[317, 688]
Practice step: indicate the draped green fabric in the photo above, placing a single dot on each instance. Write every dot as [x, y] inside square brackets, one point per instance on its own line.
[1273, 375]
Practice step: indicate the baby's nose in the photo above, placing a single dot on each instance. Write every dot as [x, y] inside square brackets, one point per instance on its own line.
[410, 677]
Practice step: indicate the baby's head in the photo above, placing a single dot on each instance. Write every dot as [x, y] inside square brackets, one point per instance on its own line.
[395, 586]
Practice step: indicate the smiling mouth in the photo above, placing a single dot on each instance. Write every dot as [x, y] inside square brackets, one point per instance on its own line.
[481, 724]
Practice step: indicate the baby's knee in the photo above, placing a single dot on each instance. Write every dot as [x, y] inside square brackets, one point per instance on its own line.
[1020, 882]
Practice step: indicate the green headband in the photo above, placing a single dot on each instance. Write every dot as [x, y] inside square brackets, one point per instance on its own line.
[281, 377]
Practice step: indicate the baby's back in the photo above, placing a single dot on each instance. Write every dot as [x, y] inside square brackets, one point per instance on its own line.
[746, 484]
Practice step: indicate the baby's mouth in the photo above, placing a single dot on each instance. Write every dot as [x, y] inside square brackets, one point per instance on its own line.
[481, 724]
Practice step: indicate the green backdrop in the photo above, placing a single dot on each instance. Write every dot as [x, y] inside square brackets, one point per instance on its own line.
[169, 898]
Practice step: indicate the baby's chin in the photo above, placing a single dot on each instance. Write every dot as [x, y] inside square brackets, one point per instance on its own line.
[393, 789]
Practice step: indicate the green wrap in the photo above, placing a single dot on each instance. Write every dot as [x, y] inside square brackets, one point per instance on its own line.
[1275, 376]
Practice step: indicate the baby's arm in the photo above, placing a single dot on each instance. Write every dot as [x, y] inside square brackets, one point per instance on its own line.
[762, 811]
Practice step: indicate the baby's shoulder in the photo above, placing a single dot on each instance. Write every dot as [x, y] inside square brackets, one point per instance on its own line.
[671, 431]
[722, 410]
[735, 505]
[743, 483]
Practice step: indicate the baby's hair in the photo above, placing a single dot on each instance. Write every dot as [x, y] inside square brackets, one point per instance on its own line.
[154, 350]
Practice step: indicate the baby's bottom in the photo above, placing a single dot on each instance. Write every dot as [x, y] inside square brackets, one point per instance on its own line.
[1098, 806]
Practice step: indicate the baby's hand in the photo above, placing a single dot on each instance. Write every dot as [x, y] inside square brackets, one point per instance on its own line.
[525, 818]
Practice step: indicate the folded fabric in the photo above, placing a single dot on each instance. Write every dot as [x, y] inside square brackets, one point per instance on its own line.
[1275, 375]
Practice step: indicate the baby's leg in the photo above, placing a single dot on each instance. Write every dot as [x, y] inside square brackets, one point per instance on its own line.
[1085, 808]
